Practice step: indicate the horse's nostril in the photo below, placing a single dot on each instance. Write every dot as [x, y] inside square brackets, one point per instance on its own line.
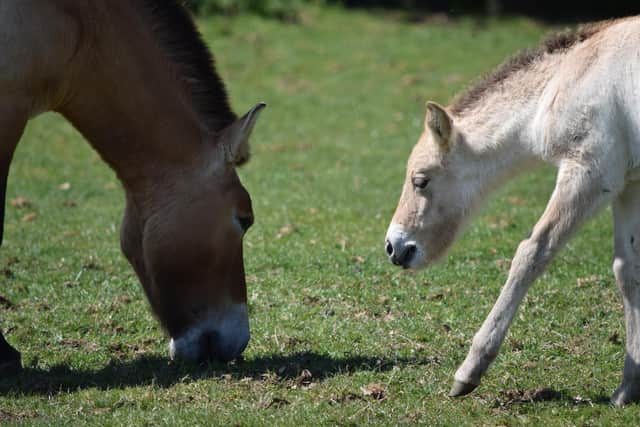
[208, 342]
[388, 247]
[214, 348]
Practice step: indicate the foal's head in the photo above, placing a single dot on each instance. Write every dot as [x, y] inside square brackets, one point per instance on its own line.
[188, 252]
[435, 195]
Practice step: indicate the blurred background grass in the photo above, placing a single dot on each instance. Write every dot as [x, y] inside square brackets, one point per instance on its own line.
[549, 10]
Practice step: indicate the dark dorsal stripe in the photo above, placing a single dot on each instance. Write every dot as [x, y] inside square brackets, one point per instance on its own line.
[556, 43]
[178, 37]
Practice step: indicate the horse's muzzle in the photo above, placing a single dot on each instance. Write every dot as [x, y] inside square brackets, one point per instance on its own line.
[218, 338]
[214, 348]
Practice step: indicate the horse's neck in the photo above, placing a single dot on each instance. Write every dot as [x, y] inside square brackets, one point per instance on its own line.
[139, 135]
[127, 101]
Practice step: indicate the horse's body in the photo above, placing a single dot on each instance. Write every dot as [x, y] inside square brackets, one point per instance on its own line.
[575, 103]
[137, 81]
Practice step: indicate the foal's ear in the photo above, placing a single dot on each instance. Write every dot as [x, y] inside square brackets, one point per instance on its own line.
[235, 137]
[439, 123]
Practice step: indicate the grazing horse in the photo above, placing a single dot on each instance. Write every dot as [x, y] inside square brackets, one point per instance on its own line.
[573, 102]
[135, 78]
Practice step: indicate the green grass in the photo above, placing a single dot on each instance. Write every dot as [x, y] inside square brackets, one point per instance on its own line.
[346, 93]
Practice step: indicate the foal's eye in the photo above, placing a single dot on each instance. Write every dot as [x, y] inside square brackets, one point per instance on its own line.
[420, 182]
[245, 222]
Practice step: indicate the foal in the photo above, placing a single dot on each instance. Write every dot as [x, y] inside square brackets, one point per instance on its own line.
[573, 102]
[135, 78]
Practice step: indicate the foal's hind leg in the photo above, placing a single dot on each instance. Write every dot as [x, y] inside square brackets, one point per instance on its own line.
[626, 267]
[12, 121]
[577, 194]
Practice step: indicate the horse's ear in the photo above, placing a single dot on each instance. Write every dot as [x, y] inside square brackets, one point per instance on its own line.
[439, 123]
[235, 137]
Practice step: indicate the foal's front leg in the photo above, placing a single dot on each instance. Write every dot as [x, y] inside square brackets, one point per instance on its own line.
[576, 195]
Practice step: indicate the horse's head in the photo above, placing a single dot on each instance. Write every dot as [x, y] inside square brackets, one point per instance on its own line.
[434, 198]
[188, 252]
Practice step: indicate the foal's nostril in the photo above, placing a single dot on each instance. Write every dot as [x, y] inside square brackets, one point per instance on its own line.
[403, 256]
[410, 251]
[388, 247]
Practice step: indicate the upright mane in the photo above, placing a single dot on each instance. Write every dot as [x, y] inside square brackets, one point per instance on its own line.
[556, 43]
[177, 35]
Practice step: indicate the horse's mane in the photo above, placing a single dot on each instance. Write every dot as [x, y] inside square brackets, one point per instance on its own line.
[556, 43]
[183, 45]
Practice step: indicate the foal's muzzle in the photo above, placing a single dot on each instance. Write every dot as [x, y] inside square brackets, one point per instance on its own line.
[402, 255]
[399, 248]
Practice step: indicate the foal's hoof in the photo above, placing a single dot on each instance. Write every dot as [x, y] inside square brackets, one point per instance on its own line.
[625, 395]
[461, 389]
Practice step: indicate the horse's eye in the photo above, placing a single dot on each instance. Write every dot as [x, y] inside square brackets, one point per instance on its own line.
[420, 182]
[245, 222]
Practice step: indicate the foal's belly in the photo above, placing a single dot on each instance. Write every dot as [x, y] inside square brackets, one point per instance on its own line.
[633, 174]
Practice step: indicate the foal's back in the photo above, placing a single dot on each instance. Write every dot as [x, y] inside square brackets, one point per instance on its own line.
[591, 105]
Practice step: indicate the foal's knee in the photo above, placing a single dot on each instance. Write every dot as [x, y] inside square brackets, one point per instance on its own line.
[534, 252]
[627, 273]
[618, 268]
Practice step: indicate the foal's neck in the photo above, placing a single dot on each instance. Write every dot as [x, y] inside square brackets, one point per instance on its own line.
[498, 136]
[501, 128]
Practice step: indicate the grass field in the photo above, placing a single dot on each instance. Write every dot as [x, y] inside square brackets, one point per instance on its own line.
[339, 336]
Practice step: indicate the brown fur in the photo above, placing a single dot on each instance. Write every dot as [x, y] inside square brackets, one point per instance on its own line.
[137, 81]
[556, 43]
[183, 45]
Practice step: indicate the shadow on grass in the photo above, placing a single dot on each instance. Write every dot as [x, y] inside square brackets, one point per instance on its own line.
[159, 371]
[510, 398]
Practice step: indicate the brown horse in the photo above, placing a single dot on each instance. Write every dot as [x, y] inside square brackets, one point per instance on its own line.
[135, 78]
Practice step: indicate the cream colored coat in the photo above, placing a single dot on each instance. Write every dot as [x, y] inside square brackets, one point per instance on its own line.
[578, 108]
